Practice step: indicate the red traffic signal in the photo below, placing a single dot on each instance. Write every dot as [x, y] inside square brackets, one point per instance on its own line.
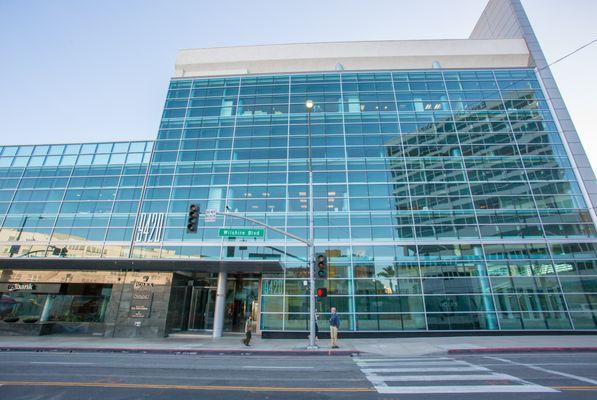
[322, 292]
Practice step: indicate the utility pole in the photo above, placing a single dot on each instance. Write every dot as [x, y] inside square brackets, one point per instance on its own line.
[310, 242]
[309, 104]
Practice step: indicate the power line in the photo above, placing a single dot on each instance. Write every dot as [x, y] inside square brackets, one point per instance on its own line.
[552, 63]
[569, 54]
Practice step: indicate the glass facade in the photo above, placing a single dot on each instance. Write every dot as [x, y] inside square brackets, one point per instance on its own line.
[444, 199]
[78, 196]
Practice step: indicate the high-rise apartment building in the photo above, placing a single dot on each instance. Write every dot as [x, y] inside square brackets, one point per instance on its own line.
[451, 193]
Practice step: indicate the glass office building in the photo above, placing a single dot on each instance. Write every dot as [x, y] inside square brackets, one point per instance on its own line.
[445, 199]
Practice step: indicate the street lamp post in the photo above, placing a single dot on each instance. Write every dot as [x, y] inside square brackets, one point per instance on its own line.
[309, 104]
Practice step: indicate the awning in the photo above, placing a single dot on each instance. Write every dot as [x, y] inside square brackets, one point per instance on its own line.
[128, 264]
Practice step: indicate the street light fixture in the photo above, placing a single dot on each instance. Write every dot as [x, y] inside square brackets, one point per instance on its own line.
[309, 104]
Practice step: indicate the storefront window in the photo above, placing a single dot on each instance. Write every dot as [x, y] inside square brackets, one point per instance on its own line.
[21, 306]
[72, 303]
[80, 303]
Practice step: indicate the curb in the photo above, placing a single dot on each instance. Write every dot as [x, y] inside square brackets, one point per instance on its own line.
[522, 350]
[181, 351]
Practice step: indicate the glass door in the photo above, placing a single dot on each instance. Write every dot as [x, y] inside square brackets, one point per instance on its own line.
[201, 311]
[241, 294]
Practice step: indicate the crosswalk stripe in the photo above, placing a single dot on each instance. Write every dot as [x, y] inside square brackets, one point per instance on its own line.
[466, 389]
[426, 369]
[417, 363]
[413, 374]
[403, 359]
[415, 378]
[535, 367]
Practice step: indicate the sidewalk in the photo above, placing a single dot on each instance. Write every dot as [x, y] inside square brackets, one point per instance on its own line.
[475, 344]
[200, 344]
[232, 345]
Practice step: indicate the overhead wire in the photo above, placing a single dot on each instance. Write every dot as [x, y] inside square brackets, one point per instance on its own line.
[569, 54]
[554, 62]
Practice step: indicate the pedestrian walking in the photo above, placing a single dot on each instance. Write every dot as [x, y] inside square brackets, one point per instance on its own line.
[248, 329]
[316, 327]
[334, 326]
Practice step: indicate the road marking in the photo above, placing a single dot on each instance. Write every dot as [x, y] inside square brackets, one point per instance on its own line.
[183, 387]
[466, 389]
[532, 366]
[406, 359]
[414, 363]
[273, 367]
[567, 364]
[575, 387]
[430, 369]
[60, 363]
[419, 378]
[380, 374]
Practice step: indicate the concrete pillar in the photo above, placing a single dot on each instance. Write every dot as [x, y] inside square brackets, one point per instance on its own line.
[45, 312]
[220, 305]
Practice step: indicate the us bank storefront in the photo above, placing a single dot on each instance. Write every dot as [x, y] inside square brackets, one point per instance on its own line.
[445, 200]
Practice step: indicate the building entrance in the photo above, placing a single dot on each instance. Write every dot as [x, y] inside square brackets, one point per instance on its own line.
[241, 302]
[192, 305]
[201, 308]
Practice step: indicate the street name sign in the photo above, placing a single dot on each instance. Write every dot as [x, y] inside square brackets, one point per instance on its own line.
[241, 232]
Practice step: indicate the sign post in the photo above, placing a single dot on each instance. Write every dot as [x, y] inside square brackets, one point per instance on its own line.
[240, 232]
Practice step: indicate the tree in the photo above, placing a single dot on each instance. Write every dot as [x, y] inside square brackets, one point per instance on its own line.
[389, 273]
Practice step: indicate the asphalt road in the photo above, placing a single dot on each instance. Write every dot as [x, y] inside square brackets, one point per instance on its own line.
[106, 376]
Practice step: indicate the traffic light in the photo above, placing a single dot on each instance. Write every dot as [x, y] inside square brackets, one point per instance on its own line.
[322, 292]
[59, 251]
[14, 249]
[193, 218]
[321, 263]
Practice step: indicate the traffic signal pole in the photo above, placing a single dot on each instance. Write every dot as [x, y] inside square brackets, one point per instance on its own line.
[266, 226]
[309, 105]
[310, 261]
[312, 344]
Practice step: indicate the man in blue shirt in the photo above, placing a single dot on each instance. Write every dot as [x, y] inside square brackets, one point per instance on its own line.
[334, 326]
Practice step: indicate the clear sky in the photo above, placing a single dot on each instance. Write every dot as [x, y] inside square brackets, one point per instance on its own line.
[98, 70]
